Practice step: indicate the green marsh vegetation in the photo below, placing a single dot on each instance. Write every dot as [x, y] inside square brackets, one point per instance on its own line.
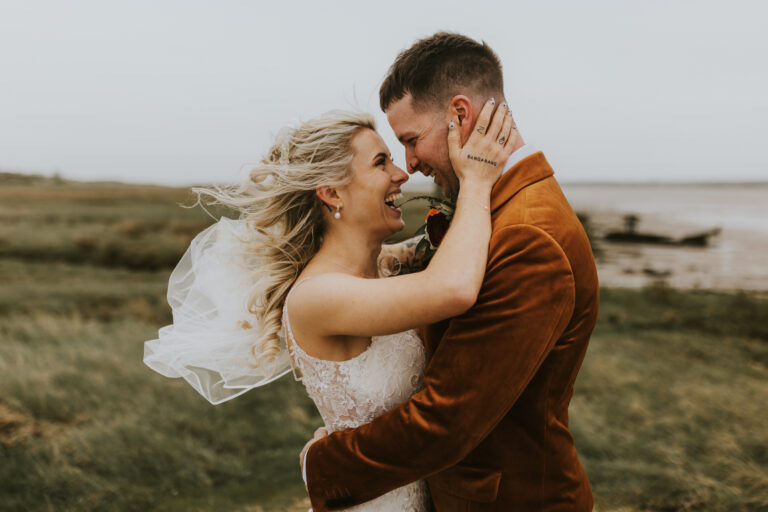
[669, 411]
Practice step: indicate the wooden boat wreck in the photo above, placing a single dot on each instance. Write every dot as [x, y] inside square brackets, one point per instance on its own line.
[631, 235]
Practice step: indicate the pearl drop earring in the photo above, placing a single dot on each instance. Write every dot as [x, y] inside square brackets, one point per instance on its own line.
[337, 215]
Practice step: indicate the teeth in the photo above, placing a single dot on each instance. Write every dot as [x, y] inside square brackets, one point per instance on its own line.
[393, 197]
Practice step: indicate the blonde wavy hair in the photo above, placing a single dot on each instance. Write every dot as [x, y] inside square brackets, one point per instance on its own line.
[283, 213]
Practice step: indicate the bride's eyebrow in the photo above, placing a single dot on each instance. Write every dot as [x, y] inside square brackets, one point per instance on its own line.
[380, 154]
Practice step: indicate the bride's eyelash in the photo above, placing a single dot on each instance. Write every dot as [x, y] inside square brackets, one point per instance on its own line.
[383, 159]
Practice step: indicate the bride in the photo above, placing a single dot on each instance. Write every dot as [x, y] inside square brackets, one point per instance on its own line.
[294, 283]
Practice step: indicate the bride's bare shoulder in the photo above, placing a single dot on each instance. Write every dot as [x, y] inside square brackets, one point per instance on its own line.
[308, 307]
[312, 291]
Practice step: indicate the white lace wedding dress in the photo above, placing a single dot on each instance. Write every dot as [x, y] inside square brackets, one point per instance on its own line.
[353, 392]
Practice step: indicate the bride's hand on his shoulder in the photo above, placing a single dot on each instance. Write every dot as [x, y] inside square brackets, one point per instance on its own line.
[483, 156]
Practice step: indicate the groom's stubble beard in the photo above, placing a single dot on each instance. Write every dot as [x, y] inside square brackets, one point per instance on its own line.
[449, 183]
[453, 192]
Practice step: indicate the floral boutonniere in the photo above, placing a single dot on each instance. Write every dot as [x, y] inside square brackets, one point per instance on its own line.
[435, 226]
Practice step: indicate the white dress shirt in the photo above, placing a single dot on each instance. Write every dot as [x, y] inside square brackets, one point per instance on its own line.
[523, 151]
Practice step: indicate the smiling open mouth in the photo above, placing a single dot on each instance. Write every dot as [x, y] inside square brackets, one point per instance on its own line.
[390, 200]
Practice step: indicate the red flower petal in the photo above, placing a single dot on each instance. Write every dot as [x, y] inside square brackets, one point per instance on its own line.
[437, 226]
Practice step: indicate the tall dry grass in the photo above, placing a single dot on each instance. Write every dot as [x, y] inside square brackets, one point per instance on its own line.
[84, 425]
[669, 410]
[668, 414]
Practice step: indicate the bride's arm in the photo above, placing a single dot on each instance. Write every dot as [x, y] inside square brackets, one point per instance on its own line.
[340, 304]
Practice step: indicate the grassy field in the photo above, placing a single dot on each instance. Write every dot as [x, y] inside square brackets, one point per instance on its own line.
[669, 412]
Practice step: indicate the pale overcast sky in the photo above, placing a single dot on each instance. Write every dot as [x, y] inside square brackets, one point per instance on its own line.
[180, 92]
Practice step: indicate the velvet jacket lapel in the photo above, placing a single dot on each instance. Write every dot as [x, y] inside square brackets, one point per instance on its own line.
[526, 172]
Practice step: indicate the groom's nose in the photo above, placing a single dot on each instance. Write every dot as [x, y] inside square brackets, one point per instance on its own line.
[412, 162]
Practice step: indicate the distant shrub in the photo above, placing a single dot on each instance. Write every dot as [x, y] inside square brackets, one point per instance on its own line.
[133, 228]
[588, 229]
[185, 227]
[86, 244]
[15, 179]
[660, 306]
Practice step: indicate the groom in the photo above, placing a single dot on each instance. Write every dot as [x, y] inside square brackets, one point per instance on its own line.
[489, 431]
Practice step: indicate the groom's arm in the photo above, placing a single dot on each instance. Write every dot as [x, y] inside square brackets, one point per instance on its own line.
[484, 362]
[404, 257]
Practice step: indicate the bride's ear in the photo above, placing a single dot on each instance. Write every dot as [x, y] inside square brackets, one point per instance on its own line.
[329, 196]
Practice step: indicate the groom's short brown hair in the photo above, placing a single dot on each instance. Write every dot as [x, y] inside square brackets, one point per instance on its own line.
[439, 67]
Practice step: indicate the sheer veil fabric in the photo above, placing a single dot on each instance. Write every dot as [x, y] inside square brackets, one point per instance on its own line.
[209, 343]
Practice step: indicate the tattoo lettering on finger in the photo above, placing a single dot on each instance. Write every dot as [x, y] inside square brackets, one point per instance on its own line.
[481, 130]
[480, 159]
[503, 139]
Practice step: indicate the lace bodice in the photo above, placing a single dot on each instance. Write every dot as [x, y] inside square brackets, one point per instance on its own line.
[353, 392]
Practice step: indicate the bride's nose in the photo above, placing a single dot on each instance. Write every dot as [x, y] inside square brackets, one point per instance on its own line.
[399, 176]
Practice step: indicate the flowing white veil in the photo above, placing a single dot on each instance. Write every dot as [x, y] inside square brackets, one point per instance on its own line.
[209, 343]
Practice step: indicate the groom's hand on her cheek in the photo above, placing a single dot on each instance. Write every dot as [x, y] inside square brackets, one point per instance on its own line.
[319, 434]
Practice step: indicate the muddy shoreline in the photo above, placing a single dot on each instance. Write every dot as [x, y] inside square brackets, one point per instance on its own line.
[735, 259]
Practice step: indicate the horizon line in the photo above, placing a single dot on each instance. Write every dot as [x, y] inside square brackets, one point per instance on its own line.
[586, 182]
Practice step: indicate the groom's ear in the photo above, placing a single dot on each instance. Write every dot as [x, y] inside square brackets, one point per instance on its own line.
[461, 107]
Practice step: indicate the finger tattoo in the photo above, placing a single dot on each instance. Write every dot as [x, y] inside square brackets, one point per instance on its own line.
[480, 159]
[481, 130]
[502, 140]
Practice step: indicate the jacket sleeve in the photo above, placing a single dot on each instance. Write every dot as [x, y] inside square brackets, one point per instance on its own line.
[485, 360]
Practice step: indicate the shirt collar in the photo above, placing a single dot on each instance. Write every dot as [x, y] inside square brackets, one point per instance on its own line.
[523, 151]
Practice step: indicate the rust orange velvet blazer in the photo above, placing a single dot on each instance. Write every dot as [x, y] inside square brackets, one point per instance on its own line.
[489, 431]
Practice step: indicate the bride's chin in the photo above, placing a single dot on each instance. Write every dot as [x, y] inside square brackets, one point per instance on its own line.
[392, 231]
[396, 231]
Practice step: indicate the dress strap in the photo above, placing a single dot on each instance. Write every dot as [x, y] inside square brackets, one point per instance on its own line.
[296, 285]
[290, 341]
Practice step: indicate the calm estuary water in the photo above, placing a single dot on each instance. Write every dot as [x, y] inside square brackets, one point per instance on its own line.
[735, 259]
